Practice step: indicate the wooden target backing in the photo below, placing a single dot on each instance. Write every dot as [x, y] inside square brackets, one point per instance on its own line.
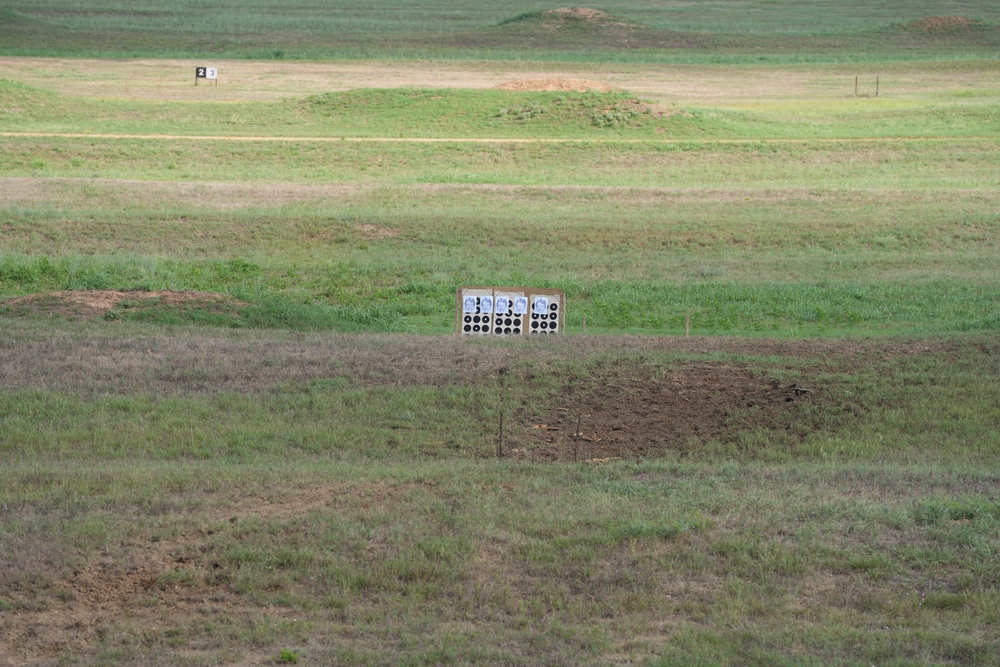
[510, 311]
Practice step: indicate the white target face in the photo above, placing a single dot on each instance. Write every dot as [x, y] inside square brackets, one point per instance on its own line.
[497, 311]
[545, 315]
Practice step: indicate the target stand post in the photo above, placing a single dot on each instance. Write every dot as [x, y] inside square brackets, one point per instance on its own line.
[208, 73]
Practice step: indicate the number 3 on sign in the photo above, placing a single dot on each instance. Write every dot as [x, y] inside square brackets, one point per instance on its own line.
[206, 73]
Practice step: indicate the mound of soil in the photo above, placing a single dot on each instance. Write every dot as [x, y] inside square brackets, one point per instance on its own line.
[95, 304]
[940, 25]
[556, 85]
[633, 414]
[579, 28]
[577, 13]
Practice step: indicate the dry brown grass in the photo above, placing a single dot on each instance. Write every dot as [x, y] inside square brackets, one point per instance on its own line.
[555, 85]
[170, 363]
[229, 196]
[92, 304]
[171, 79]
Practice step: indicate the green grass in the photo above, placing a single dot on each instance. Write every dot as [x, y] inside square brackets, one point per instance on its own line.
[356, 517]
[329, 403]
[746, 260]
[236, 480]
[401, 561]
[638, 32]
[749, 221]
[454, 114]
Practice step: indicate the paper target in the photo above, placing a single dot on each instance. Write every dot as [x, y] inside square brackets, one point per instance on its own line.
[509, 311]
[506, 320]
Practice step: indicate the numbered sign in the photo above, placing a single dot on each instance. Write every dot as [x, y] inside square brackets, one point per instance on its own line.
[210, 73]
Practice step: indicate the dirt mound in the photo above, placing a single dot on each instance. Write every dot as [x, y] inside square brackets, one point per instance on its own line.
[578, 13]
[941, 25]
[642, 413]
[574, 17]
[95, 304]
[556, 85]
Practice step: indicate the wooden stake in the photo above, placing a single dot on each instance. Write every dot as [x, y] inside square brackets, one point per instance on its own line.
[687, 325]
[576, 438]
[585, 323]
[876, 86]
[501, 384]
[500, 437]
[855, 86]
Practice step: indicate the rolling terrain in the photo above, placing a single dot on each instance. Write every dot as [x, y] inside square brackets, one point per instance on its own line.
[235, 424]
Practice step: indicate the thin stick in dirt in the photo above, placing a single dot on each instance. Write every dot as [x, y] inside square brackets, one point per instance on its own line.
[500, 436]
[576, 439]
[501, 374]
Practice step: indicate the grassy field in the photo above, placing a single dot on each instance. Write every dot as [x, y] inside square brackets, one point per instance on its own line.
[801, 212]
[622, 30]
[235, 428]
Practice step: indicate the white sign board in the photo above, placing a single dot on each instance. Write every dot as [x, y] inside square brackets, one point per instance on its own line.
[211, 73]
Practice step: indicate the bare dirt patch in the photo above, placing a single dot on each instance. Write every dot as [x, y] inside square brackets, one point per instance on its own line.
[942, 25]
[556, 85]
[371, 232]
[579, 13]
[642, 413]
[566, 17]
[95, 304]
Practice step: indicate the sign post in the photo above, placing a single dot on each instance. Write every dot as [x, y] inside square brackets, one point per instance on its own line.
[210, 73]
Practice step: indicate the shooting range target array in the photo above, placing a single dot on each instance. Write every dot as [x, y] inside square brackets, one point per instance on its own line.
[509, 311]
